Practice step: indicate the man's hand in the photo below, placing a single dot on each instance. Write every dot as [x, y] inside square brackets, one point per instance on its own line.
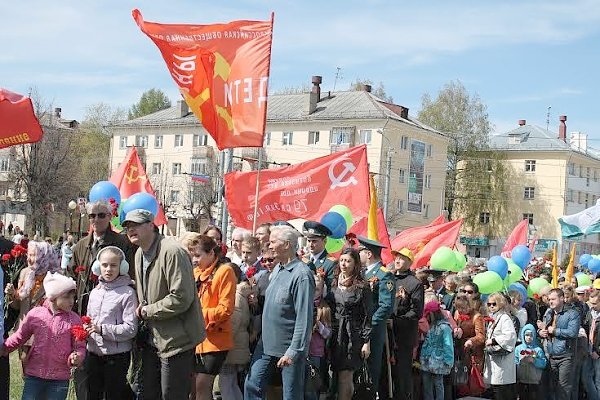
[141, 312]
[551, 330]
[595, 355]
[489, 342]
[284, 362]
[74, 359]
[92, 328]
[541, 325]
[543, 333]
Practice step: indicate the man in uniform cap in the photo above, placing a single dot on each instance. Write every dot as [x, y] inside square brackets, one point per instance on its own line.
[316, 234]
[383, 289]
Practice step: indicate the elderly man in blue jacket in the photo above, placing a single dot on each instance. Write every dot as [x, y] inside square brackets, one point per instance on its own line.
[560, 328]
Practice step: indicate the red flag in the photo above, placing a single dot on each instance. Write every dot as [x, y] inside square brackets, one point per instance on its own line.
[131, 178]
[360, 227]
[517, 237]
[18, 123]
[305, 190]
[440, 219]
[222, 71]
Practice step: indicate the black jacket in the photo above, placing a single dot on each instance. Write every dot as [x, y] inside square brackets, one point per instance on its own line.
[411, 307]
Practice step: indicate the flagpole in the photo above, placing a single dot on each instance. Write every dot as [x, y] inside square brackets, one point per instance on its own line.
[260, 153]
[225, 220]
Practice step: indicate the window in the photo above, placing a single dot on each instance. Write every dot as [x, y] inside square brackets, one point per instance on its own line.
[287, 138]
[267, 140]
[156, 168]
[176, 168]
[313, 137]
[365, 136]
[404, 142]
[122, 142]
[570, 196]
[595, 175]
[3, 190]
[401, 175]
[428, 181]
[4, 164]
[198, 166]
[174, 196]
[141, 141]
[178, 140]
[529, 217]
[484, 218]
[425, 210]
[529, 165]
[341, 135]
[429, 150]
[529, 193]
[158, 140]
[200, 140]
[571, 168]
[400, 206]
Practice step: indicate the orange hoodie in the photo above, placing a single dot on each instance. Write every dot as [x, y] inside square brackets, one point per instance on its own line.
[217, 285]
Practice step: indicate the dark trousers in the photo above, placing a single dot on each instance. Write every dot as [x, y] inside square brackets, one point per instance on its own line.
[80, 378]
[405, 335]
[528, 391]
[4, 378]
[167, 378]
[107, 377]
[561, 372]
[504, 392]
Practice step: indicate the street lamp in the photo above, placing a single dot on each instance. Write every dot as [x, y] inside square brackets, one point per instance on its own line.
[72, 206]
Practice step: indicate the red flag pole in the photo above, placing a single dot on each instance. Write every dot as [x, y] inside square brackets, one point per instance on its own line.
[257, 189]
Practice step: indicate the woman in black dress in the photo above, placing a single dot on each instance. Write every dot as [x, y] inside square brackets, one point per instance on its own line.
[352, 321]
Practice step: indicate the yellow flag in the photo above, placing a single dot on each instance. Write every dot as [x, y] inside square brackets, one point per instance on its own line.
[571, 267]
[555, 266]
[372, 226]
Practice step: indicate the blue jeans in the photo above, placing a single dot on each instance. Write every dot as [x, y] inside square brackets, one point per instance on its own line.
[587, 378]
[315, 360]
[433, 386]
[263, 366]
[38, 388]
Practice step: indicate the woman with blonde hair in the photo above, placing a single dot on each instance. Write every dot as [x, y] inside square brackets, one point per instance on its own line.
[500, 369]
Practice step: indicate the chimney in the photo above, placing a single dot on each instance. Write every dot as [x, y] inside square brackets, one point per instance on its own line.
[315, 94]
[182, 108]
[366, 88]
[522, 122]
[403, 112]
[57, 112]
[562, 128]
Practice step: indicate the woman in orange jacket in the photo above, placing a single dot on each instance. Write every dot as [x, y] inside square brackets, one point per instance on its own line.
[216, 285]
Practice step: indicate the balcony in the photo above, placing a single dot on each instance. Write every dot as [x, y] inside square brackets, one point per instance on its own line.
[334, 148]
[203, 151]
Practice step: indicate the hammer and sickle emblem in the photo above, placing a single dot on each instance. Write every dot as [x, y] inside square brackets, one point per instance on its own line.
[339, 179]
[132, 175]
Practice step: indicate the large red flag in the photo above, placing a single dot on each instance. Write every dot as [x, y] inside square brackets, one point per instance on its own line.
[131, 178]
[440, 219]
[18, 123]
[360, 227]
[518, 236]
[222, 71]
[306, 190]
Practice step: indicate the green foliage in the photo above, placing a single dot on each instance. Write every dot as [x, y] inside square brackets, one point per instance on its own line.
[151, 101]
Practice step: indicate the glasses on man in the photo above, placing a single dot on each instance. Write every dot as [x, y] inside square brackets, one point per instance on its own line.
[491, 304]
[99, 215]
[266, 260]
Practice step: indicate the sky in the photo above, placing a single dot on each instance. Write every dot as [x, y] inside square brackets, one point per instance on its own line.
[520, 57]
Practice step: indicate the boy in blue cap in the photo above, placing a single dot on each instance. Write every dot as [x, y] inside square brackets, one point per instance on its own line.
[531, 361]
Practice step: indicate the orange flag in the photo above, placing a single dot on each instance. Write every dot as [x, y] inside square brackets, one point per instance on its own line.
[571, 267]
[222, 71]
[555, 266]
[18, 123]
[372, 231]
[131, 178]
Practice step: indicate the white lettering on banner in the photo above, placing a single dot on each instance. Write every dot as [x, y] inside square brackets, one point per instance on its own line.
[184, 71]
[302, 190]
[249, 91]
[197, 37]
[285, 182]
[338, 181]
[297, 206]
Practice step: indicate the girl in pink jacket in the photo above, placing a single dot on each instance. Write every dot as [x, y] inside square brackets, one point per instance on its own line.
[55, 349]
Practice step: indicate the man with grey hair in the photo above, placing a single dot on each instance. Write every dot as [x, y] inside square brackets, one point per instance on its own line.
[237, 237]
[287, 321]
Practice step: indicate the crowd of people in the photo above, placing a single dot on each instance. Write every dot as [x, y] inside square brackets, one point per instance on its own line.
[139, 315]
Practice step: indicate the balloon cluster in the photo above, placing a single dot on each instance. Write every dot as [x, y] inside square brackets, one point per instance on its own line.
[446, 259]
[338, 220]
[504, 273]
[107, 191]
[591, 262]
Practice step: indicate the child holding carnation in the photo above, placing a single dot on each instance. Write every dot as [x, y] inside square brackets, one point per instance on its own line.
[55, 349]
[531, 361]
[112, 325]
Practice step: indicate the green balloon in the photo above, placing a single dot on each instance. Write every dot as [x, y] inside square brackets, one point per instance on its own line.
[515, 273]
[461, 261]
[535, 285]
[488, 282]
[583, 280]
[443, 259]
[344, 212]
[334, 245]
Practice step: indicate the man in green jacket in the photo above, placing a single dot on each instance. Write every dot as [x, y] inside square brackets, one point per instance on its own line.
[169, 308]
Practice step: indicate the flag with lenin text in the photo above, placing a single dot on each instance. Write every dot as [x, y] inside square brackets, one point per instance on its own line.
[131, 178]
[306, 190]
[222, 71]
[18, 123]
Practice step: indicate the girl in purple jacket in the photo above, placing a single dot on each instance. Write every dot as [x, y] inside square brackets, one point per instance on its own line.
[112, 328]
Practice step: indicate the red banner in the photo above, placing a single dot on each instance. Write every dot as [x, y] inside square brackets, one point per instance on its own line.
[360, 227]
[131, 178]
[517, 236]
[222, 71]
[306, 190]
[18, 123]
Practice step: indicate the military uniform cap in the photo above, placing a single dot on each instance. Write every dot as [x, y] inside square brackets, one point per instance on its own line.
[312, 229]
[369, 244]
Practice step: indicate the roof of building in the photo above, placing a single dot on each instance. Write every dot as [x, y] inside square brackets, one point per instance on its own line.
[535, 138]
[292, 107]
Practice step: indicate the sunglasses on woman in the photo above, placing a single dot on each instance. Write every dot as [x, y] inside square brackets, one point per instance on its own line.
[491, 304]
[266, 260]
[467, 291]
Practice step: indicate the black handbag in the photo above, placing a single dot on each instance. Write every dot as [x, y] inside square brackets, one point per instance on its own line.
[460, 372]
[363, 385]
[313, 378]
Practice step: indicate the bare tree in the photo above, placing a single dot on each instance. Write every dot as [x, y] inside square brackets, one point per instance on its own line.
[378, 90]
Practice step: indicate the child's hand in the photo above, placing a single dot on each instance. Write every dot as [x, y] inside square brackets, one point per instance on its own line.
[74, 359]
[10, 289]
[365, 352]
[595, 355]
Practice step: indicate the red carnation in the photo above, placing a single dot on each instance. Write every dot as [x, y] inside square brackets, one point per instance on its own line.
[464, 317]
[6, 257]
[488, 319]
[86, 320]
[78, 333]
[523, 352]
[80, 269]
[93, 277]
[250, 272]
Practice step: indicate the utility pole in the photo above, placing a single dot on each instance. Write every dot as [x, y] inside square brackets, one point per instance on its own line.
[388, 171]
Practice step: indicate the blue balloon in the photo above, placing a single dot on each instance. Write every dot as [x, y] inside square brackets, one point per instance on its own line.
[585, 259]
[521, 256]
[104, 190]
[517, 286]
[336, 224]
[498, 265]
[594, 265]
[141, 200]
